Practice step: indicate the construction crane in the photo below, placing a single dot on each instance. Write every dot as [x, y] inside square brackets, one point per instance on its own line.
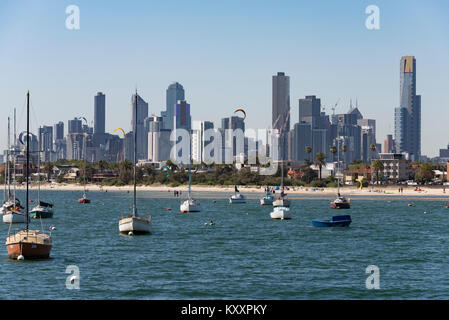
[335, 106]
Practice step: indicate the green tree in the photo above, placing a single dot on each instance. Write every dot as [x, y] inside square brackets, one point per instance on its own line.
[377, 166]
[48, 169]
[320, 161]
[425, 173]
[309, 151]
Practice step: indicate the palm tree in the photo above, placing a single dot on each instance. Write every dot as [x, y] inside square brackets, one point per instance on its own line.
[377, 166]
[320, 161]
[309, 151]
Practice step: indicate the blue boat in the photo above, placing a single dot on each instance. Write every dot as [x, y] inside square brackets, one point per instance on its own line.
[335, 221]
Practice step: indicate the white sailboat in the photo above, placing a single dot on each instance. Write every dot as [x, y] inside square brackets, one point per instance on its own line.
[134, 224]
[13, 212]
[7, 199]
[237, 197]
[282, 201]
[268, 198]
[190, 205]
[280, 213]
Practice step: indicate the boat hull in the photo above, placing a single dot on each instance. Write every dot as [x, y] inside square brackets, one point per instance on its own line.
[280, 214]
[281, 203]
[340, 205]
[329, 224]
[136, 225]
[83, 200]
[187, 206]
[14, 217]
[29, 250]
[266, 201]
[41, 212]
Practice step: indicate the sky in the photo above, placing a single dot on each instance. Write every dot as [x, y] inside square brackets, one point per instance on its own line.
[224, 53]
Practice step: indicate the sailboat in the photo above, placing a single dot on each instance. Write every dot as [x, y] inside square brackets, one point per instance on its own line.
[12, 209]
[43, 209]
[282, 200]
[190, 205]
[84, 199]
[134, 224]
[28, 244]
[341, 202]
[281, 204]
[268, 198]
[8, 200]
[237, 197]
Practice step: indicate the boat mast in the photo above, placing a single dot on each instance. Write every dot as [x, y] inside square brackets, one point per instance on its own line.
[190, 160]
[135, 151]
[7, 158]
[28, 154]
[14, 158]
[6, 168]
[338, 165]
[39, 178]
[84, 152]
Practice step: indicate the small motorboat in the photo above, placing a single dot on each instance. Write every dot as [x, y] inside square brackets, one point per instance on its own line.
[335, 221]
[84, 199]
[341, 203]
[280, 213]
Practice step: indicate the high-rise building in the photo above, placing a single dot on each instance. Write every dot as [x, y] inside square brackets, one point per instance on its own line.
[408, 115]
[142, 135]
[388, 144]
[174, 93]
[310, 111]
[58, 130]
[99, 113]
[45, 143]
[75, 126]
[281, 109]
[233, 137]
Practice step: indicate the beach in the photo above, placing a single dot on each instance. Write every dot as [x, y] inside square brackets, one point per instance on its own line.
[347, 190]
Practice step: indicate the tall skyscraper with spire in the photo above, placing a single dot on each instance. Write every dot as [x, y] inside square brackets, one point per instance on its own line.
[175, 92]
[408, 116]
[142, 135]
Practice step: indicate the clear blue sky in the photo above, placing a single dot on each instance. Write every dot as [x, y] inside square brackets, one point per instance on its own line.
[224, 54]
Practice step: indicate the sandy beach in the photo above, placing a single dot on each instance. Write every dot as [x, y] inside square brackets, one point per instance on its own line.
[347, 190]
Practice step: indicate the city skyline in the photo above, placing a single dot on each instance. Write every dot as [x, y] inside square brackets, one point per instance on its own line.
[347, 62]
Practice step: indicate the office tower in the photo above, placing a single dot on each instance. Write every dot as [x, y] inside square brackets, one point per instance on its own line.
[158, 140]
[142, 136]
[75, 126]
[45, 143]
[99, 113]
[388, 144]
[182, 119]
[58, 130]
[174, 93]
[302, 140]
[310, 111]
[233, 140]
[367, 140]
[200, 141]
[408, 114]
[280, 119]
[75, 146]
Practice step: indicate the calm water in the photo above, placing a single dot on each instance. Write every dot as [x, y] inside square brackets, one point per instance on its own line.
[244, 256]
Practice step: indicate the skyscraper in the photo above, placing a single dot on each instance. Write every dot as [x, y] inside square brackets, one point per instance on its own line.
[75, 126]
[46, 142]
[142, 136]
[99, 113]
[388, 144]
[281, 108]
[174, 93]
[58, 131]
[408, 116]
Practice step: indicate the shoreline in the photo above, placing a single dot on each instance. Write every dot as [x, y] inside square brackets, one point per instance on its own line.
[347, 190]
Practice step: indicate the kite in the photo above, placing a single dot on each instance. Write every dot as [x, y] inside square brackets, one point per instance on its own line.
[242, 111]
